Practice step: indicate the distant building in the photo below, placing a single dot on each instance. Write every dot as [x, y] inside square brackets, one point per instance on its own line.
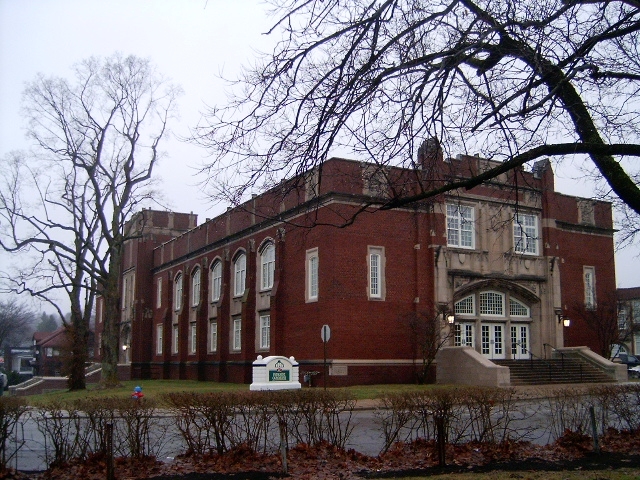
[50, 349]
[508, 260]
[19, 360]
[629, 320]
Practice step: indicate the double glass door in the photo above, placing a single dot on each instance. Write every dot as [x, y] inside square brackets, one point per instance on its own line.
[492, 341]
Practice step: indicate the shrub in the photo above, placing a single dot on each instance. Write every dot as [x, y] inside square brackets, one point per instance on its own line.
[11, 410]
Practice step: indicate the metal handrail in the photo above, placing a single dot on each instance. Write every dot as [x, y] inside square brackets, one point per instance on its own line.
[562, 354]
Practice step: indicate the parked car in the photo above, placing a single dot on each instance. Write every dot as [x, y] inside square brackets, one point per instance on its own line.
[628, 360]
[634, 372]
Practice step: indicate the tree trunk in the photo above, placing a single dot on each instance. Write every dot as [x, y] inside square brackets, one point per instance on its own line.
[111, 322]
[77, 343]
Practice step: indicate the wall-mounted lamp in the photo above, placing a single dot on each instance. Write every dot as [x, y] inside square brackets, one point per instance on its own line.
[451, 318]
[562, 319]
[124, 347]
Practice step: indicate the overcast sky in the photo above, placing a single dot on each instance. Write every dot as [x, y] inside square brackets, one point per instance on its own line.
[190, 41]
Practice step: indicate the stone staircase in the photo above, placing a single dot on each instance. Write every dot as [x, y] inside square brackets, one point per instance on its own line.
[553, 371]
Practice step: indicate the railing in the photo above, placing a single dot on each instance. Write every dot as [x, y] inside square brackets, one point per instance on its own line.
[545, 345]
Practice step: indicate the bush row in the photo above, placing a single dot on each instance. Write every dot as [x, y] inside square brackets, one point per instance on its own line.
[267, 421]
[465, 414]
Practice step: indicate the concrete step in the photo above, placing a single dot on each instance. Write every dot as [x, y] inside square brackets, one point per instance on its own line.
[552, 371]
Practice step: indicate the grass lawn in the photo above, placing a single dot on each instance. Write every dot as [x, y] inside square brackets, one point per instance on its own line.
[154, 389]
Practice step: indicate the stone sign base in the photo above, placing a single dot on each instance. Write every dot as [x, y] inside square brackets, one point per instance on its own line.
[275, 373]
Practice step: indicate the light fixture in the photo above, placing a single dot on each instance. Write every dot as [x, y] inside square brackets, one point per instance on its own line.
[565, 321]
[124, 347]
[451, 319]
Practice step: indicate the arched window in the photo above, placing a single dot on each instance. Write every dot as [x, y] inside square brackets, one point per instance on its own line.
[177, 292]
[195, 288]
[268, 263]
[216, 281]
[492, 303]
[518, 309]
[466, 306]
[239, 274]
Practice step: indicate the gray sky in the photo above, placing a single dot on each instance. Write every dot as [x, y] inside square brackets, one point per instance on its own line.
[190, 41]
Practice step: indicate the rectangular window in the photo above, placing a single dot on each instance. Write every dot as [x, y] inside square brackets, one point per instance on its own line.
[174, 340]
[589, 287]
[525, 234]
[265, 331]
[312, 275]
[99, 308]
[376, 272]
[193, 339]
[460, 221]
[635, 312]
[159, 339]
[237, 334]
[125, 292]
[622, 318]
[159, 293]
[213, 336]
[99, 344]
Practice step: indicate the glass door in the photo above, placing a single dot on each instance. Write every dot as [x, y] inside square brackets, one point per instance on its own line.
[492, 345]
[520, 342]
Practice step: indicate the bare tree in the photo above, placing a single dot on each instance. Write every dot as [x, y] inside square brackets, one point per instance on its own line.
[16, 323]
[64, 205]
[513, 81]
[430, 332]
[602, 319]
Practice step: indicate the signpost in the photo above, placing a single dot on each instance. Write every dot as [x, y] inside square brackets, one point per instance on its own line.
[325, 334]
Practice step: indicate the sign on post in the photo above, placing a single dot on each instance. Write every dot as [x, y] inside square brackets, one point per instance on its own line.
[325, 333]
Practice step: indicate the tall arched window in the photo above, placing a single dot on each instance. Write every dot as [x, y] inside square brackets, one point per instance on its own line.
[177, 292]
[268, 262]
[239, 274]
[216, 281]
[195, 288]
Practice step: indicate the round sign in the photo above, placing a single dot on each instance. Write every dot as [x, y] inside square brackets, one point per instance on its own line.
[325, 333]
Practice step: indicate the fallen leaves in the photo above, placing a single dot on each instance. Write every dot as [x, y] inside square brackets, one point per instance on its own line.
[325, 461]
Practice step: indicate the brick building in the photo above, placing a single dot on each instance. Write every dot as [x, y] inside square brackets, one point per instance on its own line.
[506, 261]
[629, 320]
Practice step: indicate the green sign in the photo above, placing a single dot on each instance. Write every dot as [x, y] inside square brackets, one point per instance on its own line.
[278, 375]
